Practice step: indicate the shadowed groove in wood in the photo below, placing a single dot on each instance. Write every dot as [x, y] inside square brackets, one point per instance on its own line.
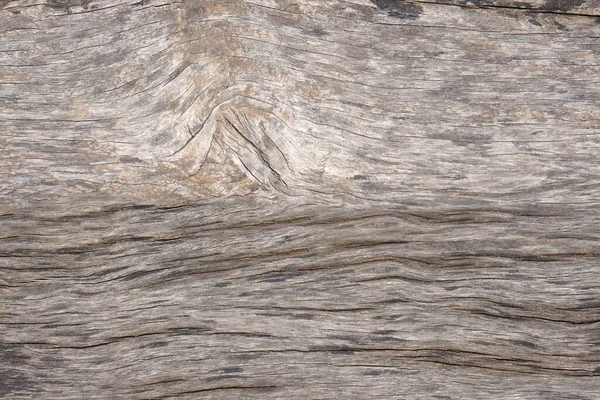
[299, 199]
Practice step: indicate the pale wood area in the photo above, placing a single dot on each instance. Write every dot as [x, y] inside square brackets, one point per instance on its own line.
[301, 199]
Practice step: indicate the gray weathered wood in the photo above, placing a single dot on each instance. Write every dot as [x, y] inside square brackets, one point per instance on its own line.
[300, 199]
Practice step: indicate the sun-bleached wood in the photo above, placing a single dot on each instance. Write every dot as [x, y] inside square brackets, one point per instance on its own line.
[300, 199]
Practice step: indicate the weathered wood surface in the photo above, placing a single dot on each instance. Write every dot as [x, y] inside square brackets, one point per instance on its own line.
[300, 199]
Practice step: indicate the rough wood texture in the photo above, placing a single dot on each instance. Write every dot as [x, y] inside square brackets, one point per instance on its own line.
[300, 199]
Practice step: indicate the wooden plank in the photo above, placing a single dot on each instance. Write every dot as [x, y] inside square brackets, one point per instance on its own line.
[299, 199]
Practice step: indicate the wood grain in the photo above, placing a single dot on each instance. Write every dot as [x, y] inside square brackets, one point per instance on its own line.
[300, 199]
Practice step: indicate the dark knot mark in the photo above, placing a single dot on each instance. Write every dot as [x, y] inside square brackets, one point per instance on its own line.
[399, 8]
[66, 5]
[561, 5]
[557, 6]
